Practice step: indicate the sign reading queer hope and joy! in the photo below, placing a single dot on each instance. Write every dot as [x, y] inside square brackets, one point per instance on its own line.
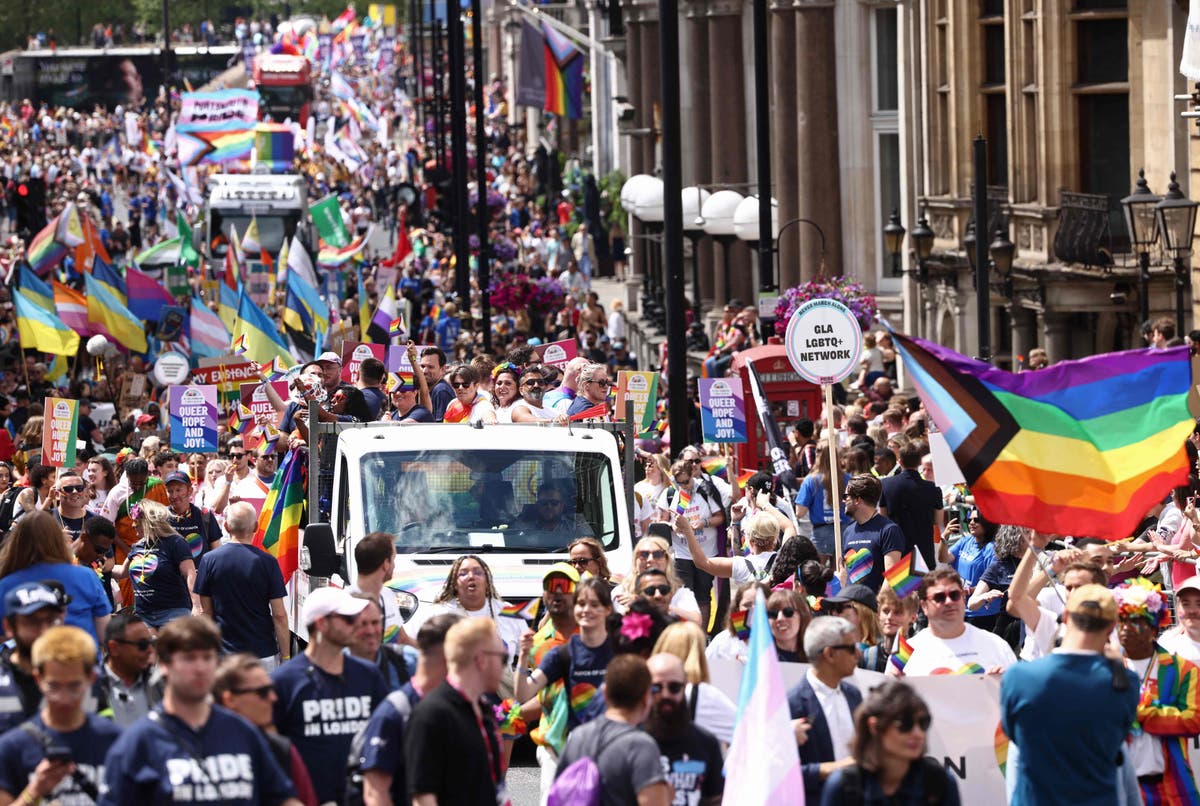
[193, 412]
[61, 425]
[824, 341]
[722, 410]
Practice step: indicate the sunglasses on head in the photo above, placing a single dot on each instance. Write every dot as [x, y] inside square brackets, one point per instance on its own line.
[560, 585]
[674, 687]
[652, 554]
[787, 612]
[941, 596]
[906, 723]
[661, 590]
[262, 692]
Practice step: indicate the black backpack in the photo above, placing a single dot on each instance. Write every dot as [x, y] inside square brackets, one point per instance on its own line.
[8, 502]
[934, 784]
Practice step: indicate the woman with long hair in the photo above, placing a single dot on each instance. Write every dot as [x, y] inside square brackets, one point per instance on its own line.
[213, 490]
[36, 551]
[788, 615]
[506, 383]
[815, 500]
[858, 605]
[101, 478]
[469, 590]
[762, 535]
[655, 553]
[29, 444]
[711, 708]
[580, 663]
[587, 555]
[891, 729]
[971, 556]
[160, 566]
[6, 476]
[647, 491]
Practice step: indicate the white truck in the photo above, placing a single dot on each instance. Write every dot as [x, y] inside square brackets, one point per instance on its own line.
[446, 490]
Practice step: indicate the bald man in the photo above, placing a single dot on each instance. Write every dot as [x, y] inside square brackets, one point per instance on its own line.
[691, 756]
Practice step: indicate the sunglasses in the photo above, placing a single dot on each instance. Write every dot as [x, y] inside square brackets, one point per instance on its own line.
[560, 585]
[74, 488]
[655, 554]
[834, 607]
[851, 648]
[581, 563]
[907, 722]
[942, 596]
[787, 612]
[533, 383]
[461, 384]
[141, 645]
[263, 692]
[236, 455]
[661, 590]
[674, 687]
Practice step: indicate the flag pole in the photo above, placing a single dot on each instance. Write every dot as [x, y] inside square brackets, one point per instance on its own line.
[835, 478]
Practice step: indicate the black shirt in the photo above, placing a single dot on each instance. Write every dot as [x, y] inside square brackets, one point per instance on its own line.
[911, 502]
[693, 763]
[445, 753]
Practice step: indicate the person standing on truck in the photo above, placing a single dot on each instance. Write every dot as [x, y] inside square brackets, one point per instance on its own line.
[433, 367]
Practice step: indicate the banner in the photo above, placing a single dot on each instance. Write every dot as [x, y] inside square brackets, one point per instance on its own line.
[210, 107]
[60, 430]
[766, 418]
[558, 353]
[397, 357]
[642, 389]
[531, 67]
[354, 353]
[226, 373]
[193, 418]
[327, 216]
[722, 410]
[254, 397]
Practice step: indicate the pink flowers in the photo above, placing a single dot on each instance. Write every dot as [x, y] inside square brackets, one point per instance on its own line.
[636, 625]
[850, 293]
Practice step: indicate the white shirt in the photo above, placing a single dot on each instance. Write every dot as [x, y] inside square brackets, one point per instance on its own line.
[1177, 642]
[715, 712]
[933, 655]
[742, 575]
[1039, 642]
[727, 646]
[1145, 751]
[837, 715]
[698, 511]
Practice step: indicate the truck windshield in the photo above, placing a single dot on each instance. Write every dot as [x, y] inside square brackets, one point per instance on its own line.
[272, 229]
[506, 499]
[286, 99]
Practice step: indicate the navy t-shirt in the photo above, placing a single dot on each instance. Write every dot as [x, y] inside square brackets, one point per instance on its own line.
[383, 739]
[441, 395]
[865, 546]
[191, 527]
[158, 583]
[321, 713]
[20, 755]
[582, 669]
[160, 759]
[242, 580]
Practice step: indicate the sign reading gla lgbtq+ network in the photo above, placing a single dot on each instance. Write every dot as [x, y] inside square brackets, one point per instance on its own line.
[824, 341]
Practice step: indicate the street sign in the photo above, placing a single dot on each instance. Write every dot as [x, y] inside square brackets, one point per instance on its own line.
[824, 341]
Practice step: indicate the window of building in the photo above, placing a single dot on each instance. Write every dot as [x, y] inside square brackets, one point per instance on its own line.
[887, 85]
[1102, 105]
[993, 87]
[885, 125]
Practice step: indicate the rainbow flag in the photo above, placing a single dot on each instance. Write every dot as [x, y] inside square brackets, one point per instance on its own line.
[1169, 711]
[44, 252]
[396, 328]
[738, 619]
[683, 500]
[527, 611]
[564, 75]
[239, 345]
[901, 653]
[275, 146]
[715, 466]
[902, 577]
[278, 531]
[208, 143]
[330, 257]
[400, 380]
[241, 420]
[744, 477]
[1082, 447]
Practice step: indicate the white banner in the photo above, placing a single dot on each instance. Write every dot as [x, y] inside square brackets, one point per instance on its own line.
[209, 107]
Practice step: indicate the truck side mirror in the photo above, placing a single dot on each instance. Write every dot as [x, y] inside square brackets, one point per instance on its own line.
[323, 560]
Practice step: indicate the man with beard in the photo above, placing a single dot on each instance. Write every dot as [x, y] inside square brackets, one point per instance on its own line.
[691, 756]
[529, 408]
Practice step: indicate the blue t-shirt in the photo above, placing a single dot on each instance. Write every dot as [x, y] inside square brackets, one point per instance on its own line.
[971, 560]
[88, 601]
[866, 544]
[374, 397]
[812, 495]
[242, 580]
[20, 755]
[158, 583]
[1069, 759]
[581, 668]
[321, 713]
[160, 759]
[441, 395]
[196, 530]
[383, 739]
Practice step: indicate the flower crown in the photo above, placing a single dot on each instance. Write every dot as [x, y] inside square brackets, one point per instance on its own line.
[1141, 598]
[505, 366]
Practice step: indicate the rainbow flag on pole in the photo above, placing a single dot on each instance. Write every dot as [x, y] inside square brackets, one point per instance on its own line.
[1082, 447]
[901, 653]
[278, 531]
[564, 75]
[275, 146]
[44, 252]
[901, 576]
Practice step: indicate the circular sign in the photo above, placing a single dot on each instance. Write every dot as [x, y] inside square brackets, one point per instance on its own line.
[824, 341]
[171, 368]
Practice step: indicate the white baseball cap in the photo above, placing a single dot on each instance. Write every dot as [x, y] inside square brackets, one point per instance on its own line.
[1189, 584]
[330, 602]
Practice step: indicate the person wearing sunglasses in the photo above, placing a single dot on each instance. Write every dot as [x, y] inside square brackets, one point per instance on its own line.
[691, 756]
[594, 384]
[971, 556]
[529, 407]
[469, 405]
[950, 645]
[789, 617]
[705, 517]
[131, 683]
[825, 700]
[655, 553]
[888, 762]
[71, 496]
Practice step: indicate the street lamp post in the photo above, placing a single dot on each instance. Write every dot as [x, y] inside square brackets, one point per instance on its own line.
[481, 184]
[922, 243]
[893, 241]
[785, 228]
[649, 207]
[978, 255]
[693, 230]
[1177, 222]
[1142, 222]
[1001, 251]
[921, 239]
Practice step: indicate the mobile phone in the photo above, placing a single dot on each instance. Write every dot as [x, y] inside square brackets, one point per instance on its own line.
[59, 754]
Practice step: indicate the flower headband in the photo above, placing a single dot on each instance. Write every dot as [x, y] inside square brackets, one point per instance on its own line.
[506, 366]
[636, 625]
[1141, 598]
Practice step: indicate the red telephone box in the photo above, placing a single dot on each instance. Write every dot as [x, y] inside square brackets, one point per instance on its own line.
[790, 397]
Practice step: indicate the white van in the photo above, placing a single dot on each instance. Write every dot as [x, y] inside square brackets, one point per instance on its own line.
[447, 490]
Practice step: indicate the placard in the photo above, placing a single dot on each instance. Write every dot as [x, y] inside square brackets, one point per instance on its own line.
[557, 353]
[641, 388]
[354, 353]
[254, 397]
[226, 373]
[59, 431]
[722, 410]
[193, 418]
[824, 341]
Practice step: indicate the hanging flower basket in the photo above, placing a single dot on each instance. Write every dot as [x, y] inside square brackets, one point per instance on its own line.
[511, 292]
[850, 293]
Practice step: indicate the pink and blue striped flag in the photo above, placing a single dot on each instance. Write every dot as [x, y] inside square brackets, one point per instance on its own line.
[763, 764]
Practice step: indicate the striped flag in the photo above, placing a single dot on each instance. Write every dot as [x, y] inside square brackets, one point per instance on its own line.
[72, 309]
[209, 336]
[596, 412]
[763, 764]
[278, 531]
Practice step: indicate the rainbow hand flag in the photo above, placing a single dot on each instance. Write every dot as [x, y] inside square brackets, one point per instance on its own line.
[396, 328]
[241, 420]
[901, 653]
[276, 369]
[969, 668]
[738, 619]
[683, 499]
[858, 564]
[239, 345]
[527, 611]
[715, 466]
[744, 477]
[1082, 447]
[271, 436]
[902, 577]
[508, 719]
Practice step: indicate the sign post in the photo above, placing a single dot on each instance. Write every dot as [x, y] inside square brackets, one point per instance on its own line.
[824, 344]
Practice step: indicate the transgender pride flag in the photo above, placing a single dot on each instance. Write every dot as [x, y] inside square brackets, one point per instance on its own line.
[763, 764]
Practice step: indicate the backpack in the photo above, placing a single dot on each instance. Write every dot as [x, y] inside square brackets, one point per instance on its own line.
[759, 576]
[579, 784]
[934, 783]
[8, 503]
[354, 772]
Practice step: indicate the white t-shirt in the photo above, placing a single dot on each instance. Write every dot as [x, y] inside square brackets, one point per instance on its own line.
[1145, 751]
[1039, 642]
[698, 511]
[1177, 642]
[743, 575]
[684, 599]
[715, 712]
[727, 646]
[541, 412]
[933, 655]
